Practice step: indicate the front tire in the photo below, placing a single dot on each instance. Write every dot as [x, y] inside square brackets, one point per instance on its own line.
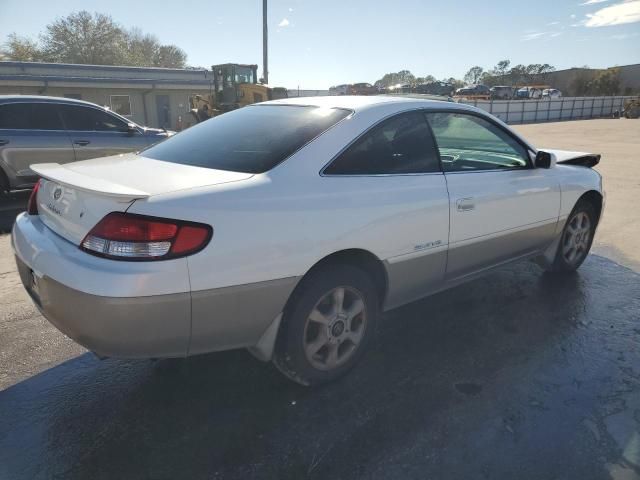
[328, 324]
[576, 238]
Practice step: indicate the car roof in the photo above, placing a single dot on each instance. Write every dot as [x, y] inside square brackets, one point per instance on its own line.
[360, 102]
[43, 99]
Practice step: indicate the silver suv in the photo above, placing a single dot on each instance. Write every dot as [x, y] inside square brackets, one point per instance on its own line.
[35, 129]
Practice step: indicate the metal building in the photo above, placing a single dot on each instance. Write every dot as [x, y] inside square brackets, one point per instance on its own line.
[156, 97]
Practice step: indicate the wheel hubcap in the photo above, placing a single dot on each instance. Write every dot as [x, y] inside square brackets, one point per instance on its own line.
[335, 327]
[576, 238]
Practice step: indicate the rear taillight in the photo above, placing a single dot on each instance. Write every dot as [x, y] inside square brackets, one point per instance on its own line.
[126, 236]
[32, 206]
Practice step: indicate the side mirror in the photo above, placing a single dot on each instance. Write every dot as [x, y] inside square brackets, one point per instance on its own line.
[132, 129]
[545, 159]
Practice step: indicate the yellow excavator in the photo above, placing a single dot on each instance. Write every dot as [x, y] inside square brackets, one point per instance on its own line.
[234, 86]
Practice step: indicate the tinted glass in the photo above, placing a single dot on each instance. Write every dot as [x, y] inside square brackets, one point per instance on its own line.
[15, 116]
[252, 139]
[402, 144]
[30, 116]
[90, 119]
[45, 116]
[468, 143]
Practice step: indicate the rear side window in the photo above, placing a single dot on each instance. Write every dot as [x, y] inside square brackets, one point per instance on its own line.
[87, 119]
[402, 144]
[30, 116]
[252, 139]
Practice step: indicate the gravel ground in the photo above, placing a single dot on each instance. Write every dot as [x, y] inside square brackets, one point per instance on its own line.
[518, 375]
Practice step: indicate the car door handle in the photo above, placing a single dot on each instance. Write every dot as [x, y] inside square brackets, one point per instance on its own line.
[465, 204]
[3, 142]
[82, 143]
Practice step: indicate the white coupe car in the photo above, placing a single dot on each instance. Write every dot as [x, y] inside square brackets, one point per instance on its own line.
[288, 226]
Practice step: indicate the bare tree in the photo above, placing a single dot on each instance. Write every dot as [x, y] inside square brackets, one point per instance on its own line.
[22, 49]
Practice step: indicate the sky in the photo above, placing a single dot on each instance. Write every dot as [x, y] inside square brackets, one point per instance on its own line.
[317, 44]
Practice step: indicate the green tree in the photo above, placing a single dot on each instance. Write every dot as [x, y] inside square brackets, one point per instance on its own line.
[425, 79]
[605, 82]
[169, 56]
[454, 81]
[401, 77]
[502, 67]
[518, 75]
[96, 39]
[84, 38]
[474, 75]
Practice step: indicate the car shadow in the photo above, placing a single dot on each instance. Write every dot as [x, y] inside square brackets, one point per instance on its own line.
[11, 204]
[471, 383]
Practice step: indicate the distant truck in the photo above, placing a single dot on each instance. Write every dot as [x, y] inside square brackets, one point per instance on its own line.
[235, 85]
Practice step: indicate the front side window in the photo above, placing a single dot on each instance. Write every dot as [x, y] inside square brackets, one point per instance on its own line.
[88, 119]
[252, 139]
[30, 116]
[400, 145]
[469, 143]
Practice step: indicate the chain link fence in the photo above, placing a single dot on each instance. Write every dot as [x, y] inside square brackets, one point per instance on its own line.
[551, 110]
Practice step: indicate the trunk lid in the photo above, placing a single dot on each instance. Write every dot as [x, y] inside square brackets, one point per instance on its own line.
[74, 197]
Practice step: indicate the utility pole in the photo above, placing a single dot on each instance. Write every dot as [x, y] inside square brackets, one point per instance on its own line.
[265, 46]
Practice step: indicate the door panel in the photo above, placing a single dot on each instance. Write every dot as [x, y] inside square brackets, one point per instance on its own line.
[393, 183]
[500, 206]
[102, 144]
[96, 133]
[31, 132]
[26, 147]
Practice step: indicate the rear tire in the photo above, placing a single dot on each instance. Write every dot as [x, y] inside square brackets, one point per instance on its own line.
[327, 325]
[576, 239]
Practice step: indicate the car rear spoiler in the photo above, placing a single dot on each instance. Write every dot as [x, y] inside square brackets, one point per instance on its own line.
[80, 181]
[582, 159]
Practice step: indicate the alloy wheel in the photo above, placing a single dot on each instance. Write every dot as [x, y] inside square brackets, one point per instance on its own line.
[576, 238]
[335, 328]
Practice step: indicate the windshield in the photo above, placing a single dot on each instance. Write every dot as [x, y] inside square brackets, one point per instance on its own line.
[244, 75]
[253, 139]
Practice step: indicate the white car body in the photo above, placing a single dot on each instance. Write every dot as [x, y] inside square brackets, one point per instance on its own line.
[428, 232]
[551, 93]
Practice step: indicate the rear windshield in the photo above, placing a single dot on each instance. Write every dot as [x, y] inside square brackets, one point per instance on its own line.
[252, 139]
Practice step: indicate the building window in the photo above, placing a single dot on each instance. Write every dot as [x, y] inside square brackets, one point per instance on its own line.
[77, 96]
[121, 104]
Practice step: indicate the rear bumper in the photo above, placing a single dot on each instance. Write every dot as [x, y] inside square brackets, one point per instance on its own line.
[125, 327]
[141, 309]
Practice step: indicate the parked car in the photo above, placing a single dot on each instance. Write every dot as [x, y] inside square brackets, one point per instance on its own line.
[529, 92]
[435, 88]
[470, 90]
[287, 227]
[501, 92]
[362, 89]
[551, 93]
[339, 90]
[35, 129]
